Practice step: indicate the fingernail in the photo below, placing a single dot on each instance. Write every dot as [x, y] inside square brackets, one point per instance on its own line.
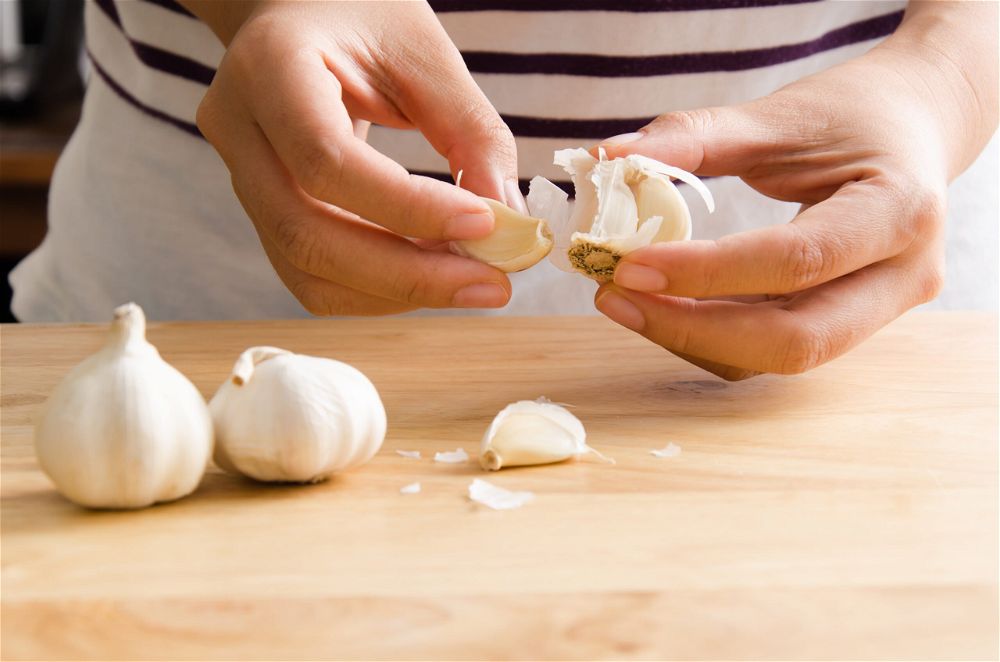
[639, 277]
[622, 139]
[512, 191]
[469, 226]
[480, 295]
[621, 310]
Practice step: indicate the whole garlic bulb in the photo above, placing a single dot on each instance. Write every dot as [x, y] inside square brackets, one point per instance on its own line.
[533, 432]
[124, 429]
[295, 418]
[621, 205]
[516, 243]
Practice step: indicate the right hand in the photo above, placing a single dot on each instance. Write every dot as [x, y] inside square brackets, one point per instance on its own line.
[347, 229]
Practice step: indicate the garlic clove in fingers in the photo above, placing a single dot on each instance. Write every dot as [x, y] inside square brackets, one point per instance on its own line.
[621, 205]
[533, 432]
[294, 418]
[516, 243]
[124, 429]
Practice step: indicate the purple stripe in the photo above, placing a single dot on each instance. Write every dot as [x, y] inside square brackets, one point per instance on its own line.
[597, 129]
[172, 5]
[157, 58]
[576, 64]
[187, 127]
[446, 177]
[443, 6]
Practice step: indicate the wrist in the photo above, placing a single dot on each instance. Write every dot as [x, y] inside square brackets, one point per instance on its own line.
[946, 51]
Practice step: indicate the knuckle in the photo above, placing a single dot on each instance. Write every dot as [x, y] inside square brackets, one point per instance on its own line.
[805, 262]
[312, 298]
[695, 120]
[805, 348]
[319, 170]
[299, 244]
[411, 287]
[932, 282]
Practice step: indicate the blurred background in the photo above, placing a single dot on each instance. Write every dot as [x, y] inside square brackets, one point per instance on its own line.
[42, 73]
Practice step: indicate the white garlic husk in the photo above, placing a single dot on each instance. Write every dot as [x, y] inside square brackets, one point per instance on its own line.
[288, 417]
[621, 205]
[533, 432]
[516, 243]
[124, 429]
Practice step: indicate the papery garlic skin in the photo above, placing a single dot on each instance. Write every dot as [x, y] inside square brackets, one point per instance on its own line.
[621, 205]
[516, 243]
[288, 417]
[124, 429]
[532, 432]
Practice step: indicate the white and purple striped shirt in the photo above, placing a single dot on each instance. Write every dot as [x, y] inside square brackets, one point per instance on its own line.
[142, 209]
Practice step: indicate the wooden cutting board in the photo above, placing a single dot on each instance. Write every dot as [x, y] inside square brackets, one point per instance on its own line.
[847, 513]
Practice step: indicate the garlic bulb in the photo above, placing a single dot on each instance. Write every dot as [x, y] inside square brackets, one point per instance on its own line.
[533, 432]
[124, 429]
[516, 243]
[621, 205]
[296, 418]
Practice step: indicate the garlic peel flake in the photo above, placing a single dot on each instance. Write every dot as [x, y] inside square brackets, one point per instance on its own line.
[413, 455]
[496, 497]
[670, 450]
[456, 456]
[412, 488]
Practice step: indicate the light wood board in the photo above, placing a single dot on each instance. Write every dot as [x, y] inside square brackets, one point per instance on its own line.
[849, 513]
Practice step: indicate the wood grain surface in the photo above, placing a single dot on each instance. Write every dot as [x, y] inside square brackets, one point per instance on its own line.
[849, 513]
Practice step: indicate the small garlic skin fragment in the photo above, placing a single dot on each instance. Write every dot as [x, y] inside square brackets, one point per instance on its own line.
[456, 456]
[670, 450]
[621, 205]
[412, 488]
[124, 429]
[516, 243]
[287, 417]
[532, 432]
[496, 497]
[413, 455]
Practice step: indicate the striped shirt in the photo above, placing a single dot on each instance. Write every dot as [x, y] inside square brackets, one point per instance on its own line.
[139, 182]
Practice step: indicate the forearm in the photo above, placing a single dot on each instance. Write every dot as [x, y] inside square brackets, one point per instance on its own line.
[224, 17]
[948, 50]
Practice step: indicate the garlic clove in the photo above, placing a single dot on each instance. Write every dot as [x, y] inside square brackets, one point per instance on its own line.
[532, 432]
[621, 205]
[516, 243]
[124, 429]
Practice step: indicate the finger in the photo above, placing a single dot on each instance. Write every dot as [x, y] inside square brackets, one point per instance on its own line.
[727, 372]
[331, 245]
[313, 136]
[322, 297]
[724, 140]
[436, 92]
[807, 330]
[861, 224]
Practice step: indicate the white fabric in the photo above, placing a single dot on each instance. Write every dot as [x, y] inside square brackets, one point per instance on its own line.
[142, 211]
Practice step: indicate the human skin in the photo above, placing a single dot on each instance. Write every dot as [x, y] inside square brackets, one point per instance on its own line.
[348, 230]
[868, 148]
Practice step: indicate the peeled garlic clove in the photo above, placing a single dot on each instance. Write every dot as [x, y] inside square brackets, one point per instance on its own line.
[621, 205]
[124, 429]
[295, 418]
[533, 432]
[516, 243]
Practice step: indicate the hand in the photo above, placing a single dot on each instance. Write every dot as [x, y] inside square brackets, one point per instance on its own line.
[868, 148]
[288, 111]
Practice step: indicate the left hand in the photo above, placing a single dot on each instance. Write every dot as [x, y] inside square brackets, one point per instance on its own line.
[868, 148]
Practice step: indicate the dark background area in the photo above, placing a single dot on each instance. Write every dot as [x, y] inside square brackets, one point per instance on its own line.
[41, 88]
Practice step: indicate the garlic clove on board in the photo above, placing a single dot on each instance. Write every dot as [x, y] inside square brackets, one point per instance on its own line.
[621, 205]
[294, 418]
[516, 243]
[124, 429]
[533, 432]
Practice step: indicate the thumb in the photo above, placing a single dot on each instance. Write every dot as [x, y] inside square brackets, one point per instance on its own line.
[724, 140]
